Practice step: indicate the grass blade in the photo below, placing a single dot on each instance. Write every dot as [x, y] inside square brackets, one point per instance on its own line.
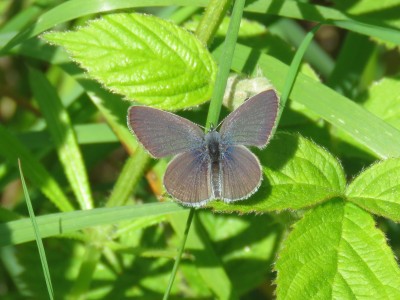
[294, 34]
[294, 68]
[179, 254]
[85, 276]
[39, 242]
[20, 20]
[212, 18]
[20, 231]
[62, 133]
[225, 61]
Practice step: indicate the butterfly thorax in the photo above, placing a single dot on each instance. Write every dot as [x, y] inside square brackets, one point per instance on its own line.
[212, 140]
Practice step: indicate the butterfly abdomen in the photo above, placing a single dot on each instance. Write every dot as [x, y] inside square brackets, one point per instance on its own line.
[216, 180]
[213, 142]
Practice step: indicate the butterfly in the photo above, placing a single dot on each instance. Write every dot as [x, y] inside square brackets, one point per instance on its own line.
[212, 165]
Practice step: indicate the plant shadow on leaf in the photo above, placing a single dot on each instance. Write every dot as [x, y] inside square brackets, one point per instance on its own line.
[279, 151]
[129, 280]
[27, 257]
[251, 62]
[246, 245]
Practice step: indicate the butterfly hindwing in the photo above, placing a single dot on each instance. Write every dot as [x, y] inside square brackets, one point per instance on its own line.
[188, 178]
[241, 173]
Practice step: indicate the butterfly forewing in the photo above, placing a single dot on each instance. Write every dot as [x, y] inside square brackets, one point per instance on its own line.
[163, 133]
[188, 178]
[241, 173]
[252, 123]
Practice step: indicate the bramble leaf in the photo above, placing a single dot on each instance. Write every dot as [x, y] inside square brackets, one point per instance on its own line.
[336, 252]
[144, 58]
[297, 174]
[377, 189]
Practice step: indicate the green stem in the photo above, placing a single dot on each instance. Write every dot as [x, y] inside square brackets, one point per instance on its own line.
[89, 263]
[179, 256]
[225, 64]
[208, 26]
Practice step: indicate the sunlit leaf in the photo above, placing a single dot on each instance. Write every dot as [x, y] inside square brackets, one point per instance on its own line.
[335, 252]
[377, 189]
[145, 58]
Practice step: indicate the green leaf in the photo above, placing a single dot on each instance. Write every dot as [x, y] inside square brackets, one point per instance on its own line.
[333, 107]
[377, 189]
[298, 174]
[335, 252]
[60, 127]
[301, 173]
[144, 58]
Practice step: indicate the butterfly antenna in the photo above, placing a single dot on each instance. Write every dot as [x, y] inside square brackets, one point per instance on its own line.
[219, 124]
